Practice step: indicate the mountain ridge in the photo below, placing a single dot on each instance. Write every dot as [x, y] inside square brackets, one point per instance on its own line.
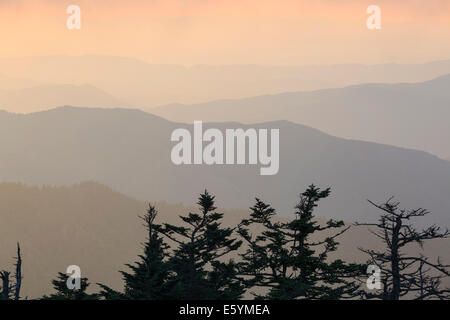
[411, 115]
[129, 150]
[44, 97]
[140, 83]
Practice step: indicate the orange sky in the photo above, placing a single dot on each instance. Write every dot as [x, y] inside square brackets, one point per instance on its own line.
[190, 32]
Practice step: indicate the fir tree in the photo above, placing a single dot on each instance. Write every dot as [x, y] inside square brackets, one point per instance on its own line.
[63, 292]
[198, 260]
[148, 278]
[284, 260]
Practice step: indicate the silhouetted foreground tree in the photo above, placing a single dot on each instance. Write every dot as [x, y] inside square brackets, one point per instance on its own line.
[11, 290]
[63, 292]
[193, 269]
[149, 277]
[284, 259]
[402, 274]
[200, 270]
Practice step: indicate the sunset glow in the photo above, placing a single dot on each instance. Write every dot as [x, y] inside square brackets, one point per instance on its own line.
[230, 32]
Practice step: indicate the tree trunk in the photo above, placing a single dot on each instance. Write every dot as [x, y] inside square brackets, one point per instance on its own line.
[18, 274]
[395, 294]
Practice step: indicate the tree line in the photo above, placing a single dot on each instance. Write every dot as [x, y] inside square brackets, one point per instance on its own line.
[267, 258]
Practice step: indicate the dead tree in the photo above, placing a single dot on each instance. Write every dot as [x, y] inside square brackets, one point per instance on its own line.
[6, 287]
[405, 275]
[18, 274]
[9, 290]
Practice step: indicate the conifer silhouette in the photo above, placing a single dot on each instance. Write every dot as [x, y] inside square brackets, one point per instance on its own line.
[284, 260]
[199, 259]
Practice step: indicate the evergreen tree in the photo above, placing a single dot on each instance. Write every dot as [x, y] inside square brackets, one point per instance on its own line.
[198, 261]
[148, 278]
[403, 274]
[63, 292]
[283, 259]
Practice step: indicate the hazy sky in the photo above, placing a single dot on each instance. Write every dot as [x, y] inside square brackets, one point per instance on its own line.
[190, 32]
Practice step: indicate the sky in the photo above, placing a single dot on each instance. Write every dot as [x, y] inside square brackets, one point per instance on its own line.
[265, 32]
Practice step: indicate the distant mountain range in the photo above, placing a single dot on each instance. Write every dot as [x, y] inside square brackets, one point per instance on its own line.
[144, 85]
[38, 98]
[129, 150]
[411, 115]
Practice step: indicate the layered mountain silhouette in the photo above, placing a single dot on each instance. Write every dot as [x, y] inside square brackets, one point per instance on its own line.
[129, 150]
[145, 85]
[411, 115]
[43, 97]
